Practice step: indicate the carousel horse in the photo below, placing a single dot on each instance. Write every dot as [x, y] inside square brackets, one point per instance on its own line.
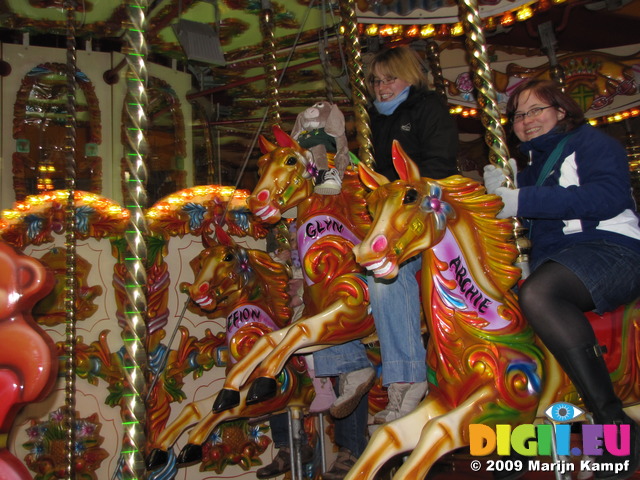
[250, 289]
[488, 367]
[28, 358]
[336, 303]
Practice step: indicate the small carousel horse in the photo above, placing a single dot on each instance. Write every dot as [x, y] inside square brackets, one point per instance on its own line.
[489, 368]
[335, 290]
[28, 358]
[250, 289]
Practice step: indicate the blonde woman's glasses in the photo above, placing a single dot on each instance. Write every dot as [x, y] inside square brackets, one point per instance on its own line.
[534, 112]
[376, 82]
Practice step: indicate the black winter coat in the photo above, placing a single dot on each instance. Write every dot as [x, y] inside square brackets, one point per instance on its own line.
[425, 129]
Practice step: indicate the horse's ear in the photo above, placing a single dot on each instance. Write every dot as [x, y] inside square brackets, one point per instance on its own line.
[406, 168]
[223, 237]
[207, 240]
[265, 145]
[371, 179]
[283, 138]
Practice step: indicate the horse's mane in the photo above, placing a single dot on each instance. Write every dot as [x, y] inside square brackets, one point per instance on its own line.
[274, 277]
[496, 237]
[354, 196]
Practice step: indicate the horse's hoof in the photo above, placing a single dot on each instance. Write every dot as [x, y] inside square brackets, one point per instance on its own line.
[263, 388]
[189, 455]
[225, 400]
[156, 459]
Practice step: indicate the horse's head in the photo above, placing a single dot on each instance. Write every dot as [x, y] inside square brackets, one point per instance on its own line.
[286, 177]
[409, 216]
[221, 270]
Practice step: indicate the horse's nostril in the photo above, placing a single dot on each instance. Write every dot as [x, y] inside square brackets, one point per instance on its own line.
[379, 244]
[263, 196]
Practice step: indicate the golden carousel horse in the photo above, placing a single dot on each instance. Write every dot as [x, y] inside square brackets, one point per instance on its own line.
[250, 289]
[487, 365]
[336, 304]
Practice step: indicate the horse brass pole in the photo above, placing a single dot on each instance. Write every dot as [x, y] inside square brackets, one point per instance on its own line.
[495, 135]
[70, 245]
[356, 79]
[270, 62]
[135, 331]
[433, 57]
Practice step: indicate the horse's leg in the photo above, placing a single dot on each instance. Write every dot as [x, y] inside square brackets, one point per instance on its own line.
[393, 438]
[304, 333]
[192, 451]
[310, 331]
[190, 414]
[443, 434]
[229, 396]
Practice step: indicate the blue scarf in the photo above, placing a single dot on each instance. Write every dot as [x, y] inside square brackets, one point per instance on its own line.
[387, 108]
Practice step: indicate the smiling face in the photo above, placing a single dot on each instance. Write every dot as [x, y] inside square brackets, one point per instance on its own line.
[532, 126]
[388, 88]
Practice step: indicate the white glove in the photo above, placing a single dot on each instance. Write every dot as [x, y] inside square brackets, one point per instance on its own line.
[510, 200]
[495, 177]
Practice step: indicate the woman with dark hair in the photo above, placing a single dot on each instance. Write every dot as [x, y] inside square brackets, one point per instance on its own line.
[575, 194]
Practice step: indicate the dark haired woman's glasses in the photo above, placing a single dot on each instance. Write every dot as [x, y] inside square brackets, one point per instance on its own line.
[376, 82]
[534, 112]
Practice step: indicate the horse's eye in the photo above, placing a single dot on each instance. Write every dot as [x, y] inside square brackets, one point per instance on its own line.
[228, 257]
[410, 196]
[291, 161]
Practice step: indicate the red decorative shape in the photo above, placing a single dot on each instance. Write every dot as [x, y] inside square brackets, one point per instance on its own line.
[27, 354]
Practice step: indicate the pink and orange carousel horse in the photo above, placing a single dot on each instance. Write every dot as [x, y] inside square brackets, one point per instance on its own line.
[336, 304]
[488, 366]
[249, 289]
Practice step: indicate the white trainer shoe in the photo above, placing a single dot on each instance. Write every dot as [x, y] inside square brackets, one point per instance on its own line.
[403, 399]
[352, 386]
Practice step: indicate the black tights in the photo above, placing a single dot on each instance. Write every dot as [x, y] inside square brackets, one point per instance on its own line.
[553, 300]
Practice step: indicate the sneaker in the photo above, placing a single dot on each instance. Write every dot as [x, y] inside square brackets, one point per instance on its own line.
[403, 399]
[341, 466]
[325, 396]
[281, 463]
[328, 182]
[352, 386]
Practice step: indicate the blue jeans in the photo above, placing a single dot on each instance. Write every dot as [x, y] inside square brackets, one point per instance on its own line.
[343, 358]
[351, 431]
[396, 311]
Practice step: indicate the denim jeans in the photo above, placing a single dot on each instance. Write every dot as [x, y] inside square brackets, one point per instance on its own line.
[351, 431]
[396, 311]
[344, 358]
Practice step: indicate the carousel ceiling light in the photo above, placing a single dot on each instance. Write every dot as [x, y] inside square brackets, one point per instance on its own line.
[428, 31]
[199, 41]
[457, 29]
[490, 23]
[372, 30]
[507, 19]
[525, 13]
[412, 31]
[386, 30]
[443, 31]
